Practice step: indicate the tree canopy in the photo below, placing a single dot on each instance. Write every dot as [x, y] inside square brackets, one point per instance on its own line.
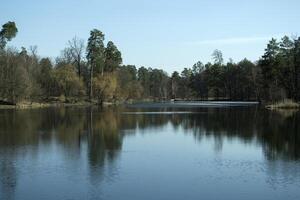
[8, 32]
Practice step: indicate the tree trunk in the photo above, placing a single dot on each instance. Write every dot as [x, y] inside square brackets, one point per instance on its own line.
[91, 83]
[79, 66]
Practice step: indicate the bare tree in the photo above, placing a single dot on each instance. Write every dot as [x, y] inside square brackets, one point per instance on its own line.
[217, 57]
[65, 56]
[76, 51]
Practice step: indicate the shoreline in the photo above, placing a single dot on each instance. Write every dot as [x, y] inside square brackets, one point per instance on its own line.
[35, 105]
[282, 105]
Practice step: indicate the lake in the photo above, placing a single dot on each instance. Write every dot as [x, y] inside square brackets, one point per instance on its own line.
[150, 151]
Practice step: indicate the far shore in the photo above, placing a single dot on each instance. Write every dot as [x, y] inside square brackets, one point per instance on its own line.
[33, 105]
[283, 105]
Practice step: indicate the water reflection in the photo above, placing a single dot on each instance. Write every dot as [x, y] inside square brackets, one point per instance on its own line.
[95, 136]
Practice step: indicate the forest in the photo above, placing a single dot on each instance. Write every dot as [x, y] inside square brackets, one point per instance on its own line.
[92, 71]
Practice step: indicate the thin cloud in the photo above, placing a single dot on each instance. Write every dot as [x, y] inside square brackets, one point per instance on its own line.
[237, 40]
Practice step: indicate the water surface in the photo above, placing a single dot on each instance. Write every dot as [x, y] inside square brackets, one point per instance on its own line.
[150, 152]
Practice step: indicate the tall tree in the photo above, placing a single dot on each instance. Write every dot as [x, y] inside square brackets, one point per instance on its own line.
[296, 55]
[9, 31]
[269, 66]
[198, 83]
[95, 55]
[175, 82]
[286, 66]
[113, 57]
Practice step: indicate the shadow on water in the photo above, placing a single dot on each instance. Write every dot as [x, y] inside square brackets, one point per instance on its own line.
[99, 133]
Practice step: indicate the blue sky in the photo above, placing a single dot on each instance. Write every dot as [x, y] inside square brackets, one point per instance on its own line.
[167, 34]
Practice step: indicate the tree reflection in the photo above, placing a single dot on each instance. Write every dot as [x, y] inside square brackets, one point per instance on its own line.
[104, 140]
[104, 129]
[98, 133]
[278, 134]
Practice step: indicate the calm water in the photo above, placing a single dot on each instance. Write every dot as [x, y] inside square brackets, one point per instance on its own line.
[149, 152]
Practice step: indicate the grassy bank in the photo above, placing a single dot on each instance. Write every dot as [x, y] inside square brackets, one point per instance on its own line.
[284, 104]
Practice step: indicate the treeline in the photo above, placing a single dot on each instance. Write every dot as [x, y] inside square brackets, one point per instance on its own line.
[94, 72]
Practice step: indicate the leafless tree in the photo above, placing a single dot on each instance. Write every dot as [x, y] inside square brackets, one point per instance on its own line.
[76, 51]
